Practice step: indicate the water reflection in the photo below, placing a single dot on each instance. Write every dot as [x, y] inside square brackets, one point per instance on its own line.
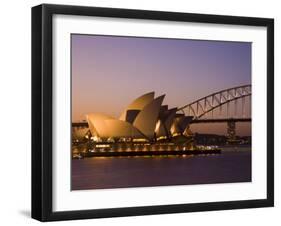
[233, 165]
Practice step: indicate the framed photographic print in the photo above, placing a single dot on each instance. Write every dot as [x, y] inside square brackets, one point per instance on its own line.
[145, 112]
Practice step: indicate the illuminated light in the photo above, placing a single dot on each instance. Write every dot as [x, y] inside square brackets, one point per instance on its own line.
[102, 145]
[175, 134]
[161, 138]
[157, 125]
[96, 138]
[110, 140]
[139, 140]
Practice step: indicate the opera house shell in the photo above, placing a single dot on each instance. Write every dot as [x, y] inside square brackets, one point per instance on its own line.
[145, 119]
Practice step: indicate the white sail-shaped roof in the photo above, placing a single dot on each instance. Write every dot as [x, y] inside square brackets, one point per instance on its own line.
[148, 116]
[180, 123]
[97, 124]
[131, 115]
[105, 126]
[166, 119]
[79, 133]
[138, 104]
[118, 128]
[163, 108]
[143, 118]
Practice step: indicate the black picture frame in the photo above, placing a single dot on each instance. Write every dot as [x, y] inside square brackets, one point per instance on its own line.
[42, 111]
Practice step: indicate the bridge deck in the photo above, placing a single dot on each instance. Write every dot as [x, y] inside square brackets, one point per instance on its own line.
[221, 120]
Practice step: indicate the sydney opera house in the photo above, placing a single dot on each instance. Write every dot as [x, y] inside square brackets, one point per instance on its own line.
[144, 120]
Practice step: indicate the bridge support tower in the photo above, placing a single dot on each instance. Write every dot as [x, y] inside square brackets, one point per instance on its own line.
[231, 131]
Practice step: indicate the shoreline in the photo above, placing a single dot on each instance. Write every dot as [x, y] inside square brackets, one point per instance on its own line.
[150, 153]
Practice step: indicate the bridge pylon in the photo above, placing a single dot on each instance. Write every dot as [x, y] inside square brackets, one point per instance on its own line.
[231, 131]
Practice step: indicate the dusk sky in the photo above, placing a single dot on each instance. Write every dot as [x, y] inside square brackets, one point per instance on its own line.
[109, 72]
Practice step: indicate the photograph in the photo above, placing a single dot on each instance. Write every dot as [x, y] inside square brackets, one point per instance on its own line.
[153, 111]
[140, 112]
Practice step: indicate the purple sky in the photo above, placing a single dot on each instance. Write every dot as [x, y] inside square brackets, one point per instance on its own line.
[108, 72]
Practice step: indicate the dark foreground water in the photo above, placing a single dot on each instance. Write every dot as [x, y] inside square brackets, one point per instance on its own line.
[233, 165]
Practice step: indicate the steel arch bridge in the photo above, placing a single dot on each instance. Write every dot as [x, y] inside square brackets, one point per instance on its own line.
[218, 100]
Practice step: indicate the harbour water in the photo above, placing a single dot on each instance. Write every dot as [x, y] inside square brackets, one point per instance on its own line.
[232, 165]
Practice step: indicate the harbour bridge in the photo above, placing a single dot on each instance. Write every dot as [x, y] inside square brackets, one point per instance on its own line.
[226, 106]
